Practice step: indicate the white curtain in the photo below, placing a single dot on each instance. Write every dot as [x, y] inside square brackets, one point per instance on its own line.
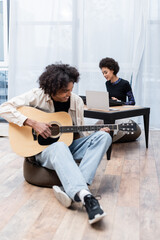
[40, 34]
[147, 85]
[111, 28]
[81, 33]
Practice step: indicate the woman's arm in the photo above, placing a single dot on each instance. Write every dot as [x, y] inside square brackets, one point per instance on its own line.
[131, 100]
[129, 95]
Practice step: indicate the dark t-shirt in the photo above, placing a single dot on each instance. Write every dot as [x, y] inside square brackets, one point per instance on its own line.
[64, 107]
[120, 89]
[61, 106]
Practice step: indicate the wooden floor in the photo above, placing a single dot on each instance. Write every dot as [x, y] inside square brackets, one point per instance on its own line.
[129, 185]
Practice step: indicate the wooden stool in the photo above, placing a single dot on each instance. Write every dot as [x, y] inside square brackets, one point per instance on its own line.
[38, 175]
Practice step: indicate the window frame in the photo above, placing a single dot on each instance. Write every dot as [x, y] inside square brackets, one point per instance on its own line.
[4, 63]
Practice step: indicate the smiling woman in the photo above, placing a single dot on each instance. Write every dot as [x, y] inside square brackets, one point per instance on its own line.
[118, 88]
[120, 91]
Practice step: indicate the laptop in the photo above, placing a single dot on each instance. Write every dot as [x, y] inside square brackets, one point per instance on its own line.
[97, 100]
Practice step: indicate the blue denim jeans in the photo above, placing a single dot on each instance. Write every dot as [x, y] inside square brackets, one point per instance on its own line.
[61, 158]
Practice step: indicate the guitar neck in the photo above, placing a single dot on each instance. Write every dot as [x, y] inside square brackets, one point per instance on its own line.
[65, 129]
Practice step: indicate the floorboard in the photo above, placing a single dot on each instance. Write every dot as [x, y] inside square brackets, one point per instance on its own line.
[128, 186]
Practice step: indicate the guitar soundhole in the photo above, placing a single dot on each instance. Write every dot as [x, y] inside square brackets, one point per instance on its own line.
[54, 130]
[54, 137]
[47, 141]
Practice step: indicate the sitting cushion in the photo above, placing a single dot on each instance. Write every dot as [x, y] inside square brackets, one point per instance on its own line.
[38, 175]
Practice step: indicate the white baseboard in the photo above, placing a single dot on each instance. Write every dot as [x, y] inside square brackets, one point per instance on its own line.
[4, 129]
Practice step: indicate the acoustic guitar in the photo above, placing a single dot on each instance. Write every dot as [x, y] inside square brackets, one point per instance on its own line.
[26, 142]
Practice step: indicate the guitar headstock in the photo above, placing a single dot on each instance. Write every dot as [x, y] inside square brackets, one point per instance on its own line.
[130, 128]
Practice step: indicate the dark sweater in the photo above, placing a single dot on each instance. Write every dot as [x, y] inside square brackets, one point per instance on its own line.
[121, 89]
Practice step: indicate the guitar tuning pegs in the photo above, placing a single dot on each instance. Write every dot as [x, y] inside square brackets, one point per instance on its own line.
[132, 133]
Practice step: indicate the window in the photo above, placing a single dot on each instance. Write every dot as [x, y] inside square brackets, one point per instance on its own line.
[4, 6]
[3, 50]
[3, 34]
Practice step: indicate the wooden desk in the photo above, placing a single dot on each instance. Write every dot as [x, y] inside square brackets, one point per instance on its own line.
[120, 112]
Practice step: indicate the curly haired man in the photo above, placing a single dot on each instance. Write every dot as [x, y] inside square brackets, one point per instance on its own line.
[55, 94]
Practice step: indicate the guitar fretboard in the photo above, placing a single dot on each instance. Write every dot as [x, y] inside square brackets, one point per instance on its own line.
[65, 129]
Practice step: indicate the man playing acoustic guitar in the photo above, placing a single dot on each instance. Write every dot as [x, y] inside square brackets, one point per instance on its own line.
[54, 95]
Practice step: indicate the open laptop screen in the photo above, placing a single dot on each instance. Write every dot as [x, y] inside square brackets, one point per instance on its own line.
[97, 100]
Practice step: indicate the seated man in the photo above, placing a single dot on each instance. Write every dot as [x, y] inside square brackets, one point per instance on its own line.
[55, 94]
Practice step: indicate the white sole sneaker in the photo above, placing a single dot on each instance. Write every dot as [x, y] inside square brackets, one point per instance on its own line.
[97, 218]
[62, 197]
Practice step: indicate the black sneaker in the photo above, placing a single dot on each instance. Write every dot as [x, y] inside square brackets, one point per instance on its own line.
[94, 210]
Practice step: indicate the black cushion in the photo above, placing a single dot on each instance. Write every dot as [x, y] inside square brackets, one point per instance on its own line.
[38, 175]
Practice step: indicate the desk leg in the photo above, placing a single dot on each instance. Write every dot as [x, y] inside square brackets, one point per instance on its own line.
[108, 153]
[146, 127]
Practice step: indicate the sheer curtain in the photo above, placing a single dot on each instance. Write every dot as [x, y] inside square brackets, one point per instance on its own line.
[81, 33]
[40, 34]
[111, 29]
[148, 80]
